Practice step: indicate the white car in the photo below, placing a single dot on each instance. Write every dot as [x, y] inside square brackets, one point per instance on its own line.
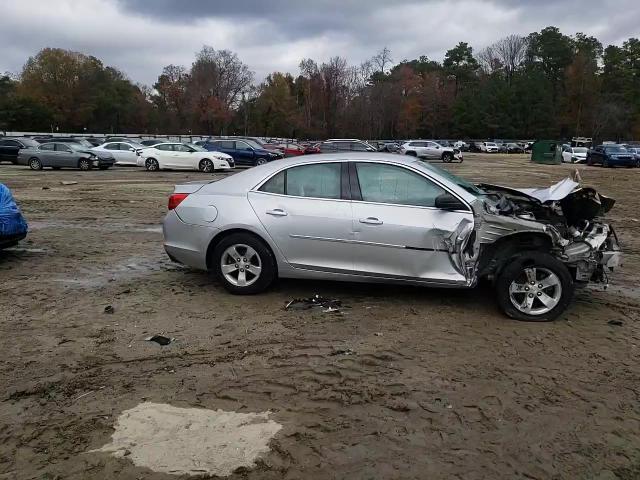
[431, 150]
[123, 152]
[179, 156]
[574, 154]
[489, 147]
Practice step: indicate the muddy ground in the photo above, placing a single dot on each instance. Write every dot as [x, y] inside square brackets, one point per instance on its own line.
[406, 383]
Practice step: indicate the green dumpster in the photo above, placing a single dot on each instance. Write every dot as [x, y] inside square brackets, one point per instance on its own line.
[547, 151]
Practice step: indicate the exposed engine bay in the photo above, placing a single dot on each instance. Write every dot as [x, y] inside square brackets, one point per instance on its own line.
[565, 219]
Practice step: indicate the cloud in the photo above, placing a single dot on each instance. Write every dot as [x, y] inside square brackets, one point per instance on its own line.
[141, 36]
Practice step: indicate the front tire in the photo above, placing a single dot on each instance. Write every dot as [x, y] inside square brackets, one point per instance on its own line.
[206, 166]
[411, 154]
[84, 164]
[244, 264]
[35, 164]
[260, 161]
[535, 287]
[152, 165]
[447, 157]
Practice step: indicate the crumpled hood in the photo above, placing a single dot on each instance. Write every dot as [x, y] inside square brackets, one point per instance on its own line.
[578, 203]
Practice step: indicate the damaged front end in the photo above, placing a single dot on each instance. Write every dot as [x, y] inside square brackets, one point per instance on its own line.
[564, 220]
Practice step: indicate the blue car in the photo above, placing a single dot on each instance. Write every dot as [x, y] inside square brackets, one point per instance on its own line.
[612, 156]
[13, 226]
[244, 152]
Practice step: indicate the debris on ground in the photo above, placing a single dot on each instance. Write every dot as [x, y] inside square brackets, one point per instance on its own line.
[160, 339]
[329, 305]
[45, 188]
[68, 182]
[342, 351]
[109, 309]
[617, 323]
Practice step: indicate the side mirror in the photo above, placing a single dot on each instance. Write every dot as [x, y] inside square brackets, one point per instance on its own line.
[131, 149]
[446, 201]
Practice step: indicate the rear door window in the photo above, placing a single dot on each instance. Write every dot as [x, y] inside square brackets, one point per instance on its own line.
[320, 180]
[49, 147]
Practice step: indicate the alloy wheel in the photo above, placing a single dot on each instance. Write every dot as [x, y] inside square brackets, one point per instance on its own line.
[536, 291]
[241, 265]
[206, 166]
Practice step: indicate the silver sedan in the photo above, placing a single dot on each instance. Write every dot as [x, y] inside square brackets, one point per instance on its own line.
[371, 217]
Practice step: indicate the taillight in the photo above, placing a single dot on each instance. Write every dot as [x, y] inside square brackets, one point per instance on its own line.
[176, 199]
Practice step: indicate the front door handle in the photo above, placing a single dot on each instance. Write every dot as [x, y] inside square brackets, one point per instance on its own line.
[371, 221]
[277, 212]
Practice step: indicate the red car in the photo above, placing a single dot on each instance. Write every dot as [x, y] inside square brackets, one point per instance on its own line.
[312, 148]
[291, 149]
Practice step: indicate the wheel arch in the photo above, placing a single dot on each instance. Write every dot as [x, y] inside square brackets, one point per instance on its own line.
[225, 233]
[495, 256]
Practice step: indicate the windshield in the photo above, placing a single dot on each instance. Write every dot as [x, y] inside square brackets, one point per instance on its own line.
[77, 146]
[616, 149]
[461, 182]
[491, 144]
[253, 143]
[580, 150]
[197, 148]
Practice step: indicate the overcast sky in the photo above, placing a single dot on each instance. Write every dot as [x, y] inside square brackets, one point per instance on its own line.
[141, 36]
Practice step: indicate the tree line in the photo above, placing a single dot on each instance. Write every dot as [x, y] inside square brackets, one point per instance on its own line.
[543, 85]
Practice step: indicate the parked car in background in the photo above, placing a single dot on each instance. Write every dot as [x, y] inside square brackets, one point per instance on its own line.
[394, 220]
[611, 155]
[430, 150]
[389, 146]
[243, 153]
[574, 154]
[125, 153]
[514, 148]
[462, 146]
[635, 150]
[13, 226]
[336, 145]
[64, 155]
[152, 141]
[179, 156]
[312, 148]
[489, 147]
[290, 149]
[261, 144]
[10, 147]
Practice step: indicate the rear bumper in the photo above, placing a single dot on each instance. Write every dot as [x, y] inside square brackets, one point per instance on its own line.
[186, 243]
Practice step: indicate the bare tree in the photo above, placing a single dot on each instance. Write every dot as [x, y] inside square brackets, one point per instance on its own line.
[382, 59]
[507, 54]
[511, 51]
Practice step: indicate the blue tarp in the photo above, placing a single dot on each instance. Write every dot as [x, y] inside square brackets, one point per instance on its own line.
[11, 220]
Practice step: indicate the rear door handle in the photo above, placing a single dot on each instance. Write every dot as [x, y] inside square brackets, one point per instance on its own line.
[371, 221]
[277, 212]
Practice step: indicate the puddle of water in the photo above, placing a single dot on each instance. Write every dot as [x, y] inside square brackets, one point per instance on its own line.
[191, 441]
[97, 277]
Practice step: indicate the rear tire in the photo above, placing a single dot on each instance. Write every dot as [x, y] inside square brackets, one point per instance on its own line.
[152, 165]
[518, 287]
[252, 256]
[84, 164]
[35, 164]
[605, 163]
